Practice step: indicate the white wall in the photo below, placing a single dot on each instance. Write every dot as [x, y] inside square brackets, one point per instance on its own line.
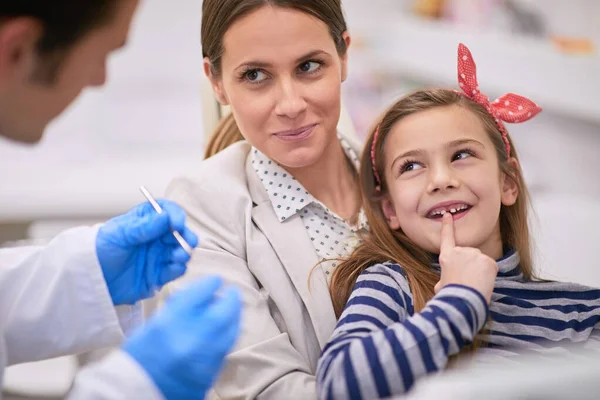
[560, 159]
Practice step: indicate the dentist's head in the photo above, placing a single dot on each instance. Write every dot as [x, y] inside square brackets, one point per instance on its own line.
[49, 52]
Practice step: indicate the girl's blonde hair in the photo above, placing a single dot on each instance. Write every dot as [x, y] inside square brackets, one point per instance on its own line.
[384, 244]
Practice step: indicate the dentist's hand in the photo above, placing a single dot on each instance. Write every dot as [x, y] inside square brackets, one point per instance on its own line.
[183, 347]
[138, 253]
[465, 266]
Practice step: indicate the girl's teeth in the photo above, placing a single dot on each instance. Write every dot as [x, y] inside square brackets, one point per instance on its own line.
[452, 210]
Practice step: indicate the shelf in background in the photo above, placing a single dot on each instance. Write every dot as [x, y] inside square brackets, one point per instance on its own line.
[426, 51]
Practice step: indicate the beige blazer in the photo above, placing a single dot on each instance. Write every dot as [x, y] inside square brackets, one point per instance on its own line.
[285, 322]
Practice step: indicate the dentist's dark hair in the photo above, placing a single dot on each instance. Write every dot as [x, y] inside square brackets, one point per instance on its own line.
[64, 23]
[217, 18]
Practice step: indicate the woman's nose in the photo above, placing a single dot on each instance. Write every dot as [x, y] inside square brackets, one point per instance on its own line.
[291, 102]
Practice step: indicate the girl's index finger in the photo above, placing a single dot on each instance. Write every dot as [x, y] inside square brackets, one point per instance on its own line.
[447, 237]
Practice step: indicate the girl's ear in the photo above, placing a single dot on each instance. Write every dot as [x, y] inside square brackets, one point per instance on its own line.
[387, 207]
[510, 188]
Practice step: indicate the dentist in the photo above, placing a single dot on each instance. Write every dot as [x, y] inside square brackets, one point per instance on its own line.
[81, 291]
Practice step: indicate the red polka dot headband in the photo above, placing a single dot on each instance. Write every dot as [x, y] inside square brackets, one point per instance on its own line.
[508, 108]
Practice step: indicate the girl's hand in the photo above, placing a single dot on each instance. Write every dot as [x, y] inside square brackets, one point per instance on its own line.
[466, 266]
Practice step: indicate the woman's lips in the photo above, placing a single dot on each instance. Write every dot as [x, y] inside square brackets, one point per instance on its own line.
[294, 135]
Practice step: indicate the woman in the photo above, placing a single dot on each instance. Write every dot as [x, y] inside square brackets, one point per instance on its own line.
[270, 208]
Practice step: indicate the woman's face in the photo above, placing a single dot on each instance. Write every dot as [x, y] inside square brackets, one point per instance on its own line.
[281, 76]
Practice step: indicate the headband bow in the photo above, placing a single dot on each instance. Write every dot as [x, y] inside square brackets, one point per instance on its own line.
[508, 108]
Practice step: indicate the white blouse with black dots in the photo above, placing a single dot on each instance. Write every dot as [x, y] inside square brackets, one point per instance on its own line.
[331, 235]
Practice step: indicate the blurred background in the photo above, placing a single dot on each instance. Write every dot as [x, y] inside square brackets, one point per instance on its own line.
[150, 122]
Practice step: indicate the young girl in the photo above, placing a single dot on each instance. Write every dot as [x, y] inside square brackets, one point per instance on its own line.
[448, 253]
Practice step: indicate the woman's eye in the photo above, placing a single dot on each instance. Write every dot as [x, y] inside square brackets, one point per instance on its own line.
[255, 76]
[309, 66]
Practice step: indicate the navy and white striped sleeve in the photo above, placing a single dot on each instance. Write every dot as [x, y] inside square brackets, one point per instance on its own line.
[380, 347]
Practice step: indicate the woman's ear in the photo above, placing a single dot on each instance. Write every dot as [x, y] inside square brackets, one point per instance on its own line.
[387, 207]
[348, 40]
[510, 188]
[216, 83]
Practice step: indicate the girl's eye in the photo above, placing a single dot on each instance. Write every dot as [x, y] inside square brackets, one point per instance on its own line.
[462, 154]
[410, 166]
[255, 76]
[309, 66]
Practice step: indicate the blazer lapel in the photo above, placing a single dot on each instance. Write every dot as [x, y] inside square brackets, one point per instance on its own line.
[298, 256]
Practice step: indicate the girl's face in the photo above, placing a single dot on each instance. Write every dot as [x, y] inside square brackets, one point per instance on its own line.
[442, 160]
[282, 75]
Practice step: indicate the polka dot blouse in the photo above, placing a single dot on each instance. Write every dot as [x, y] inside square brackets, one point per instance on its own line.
[332, 236]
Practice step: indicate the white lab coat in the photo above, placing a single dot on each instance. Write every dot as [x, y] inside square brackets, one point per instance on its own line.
[54, 301]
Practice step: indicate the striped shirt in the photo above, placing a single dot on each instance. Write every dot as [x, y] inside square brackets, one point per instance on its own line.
[380, 346]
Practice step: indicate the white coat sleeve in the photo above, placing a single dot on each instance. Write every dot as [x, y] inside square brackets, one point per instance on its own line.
[54, 300]
[117, 377]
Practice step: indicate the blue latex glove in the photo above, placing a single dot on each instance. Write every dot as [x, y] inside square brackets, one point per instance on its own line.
[183, 347]
[138, 253]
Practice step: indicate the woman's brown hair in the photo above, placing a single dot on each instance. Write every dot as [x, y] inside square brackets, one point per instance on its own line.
[384, 244]
[219, 15]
